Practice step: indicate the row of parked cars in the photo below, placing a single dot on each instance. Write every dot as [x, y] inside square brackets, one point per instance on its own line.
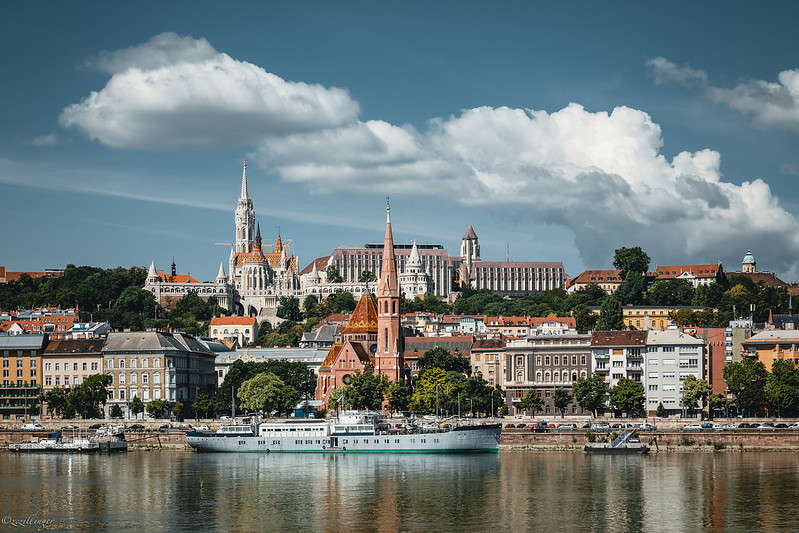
[766, 426]
[542, 426]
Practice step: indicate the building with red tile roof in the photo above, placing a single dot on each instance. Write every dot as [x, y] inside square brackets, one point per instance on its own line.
[696, 275]
[243, 329]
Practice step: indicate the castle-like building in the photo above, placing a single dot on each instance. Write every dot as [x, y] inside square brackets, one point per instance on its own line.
[261, 274]
[258, 278]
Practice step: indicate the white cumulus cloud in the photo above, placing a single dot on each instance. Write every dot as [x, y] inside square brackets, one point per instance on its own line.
[179, 93]
[600, 174]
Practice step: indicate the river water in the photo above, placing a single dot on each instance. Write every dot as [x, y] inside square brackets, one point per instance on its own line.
[509, 491]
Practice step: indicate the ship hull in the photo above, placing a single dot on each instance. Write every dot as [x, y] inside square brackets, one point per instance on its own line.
[467, 439]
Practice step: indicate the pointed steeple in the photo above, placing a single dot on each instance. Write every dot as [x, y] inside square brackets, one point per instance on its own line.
[388, 285]
[244, 192]
[389, 360]
[258, 237]
[315, 272]
[279, 244]
[221, 276]
[152, 273]
[414, 263]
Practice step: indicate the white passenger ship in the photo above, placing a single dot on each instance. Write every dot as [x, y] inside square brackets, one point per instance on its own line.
[349, 432]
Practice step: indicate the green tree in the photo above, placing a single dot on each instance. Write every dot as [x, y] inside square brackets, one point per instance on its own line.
[264, 392]
[610, 315]
[367, 389]
[782, 387]
[115, 411]
[561, 400]
[531, 402]
[288, 308]
[136, 406]
[56, 401]
[338, 399]
[177, 410]
[367, 276]
[695, 391]
[717, 402]
[590, 392]
[442, 358]
[86, 398]
[746, 380]
[203, 405]
[627, 396]
[661, 411]
[632, 289]
[311, 307]
[332, 275]
[631, 260]
[431, 387]
[341, 302]
[157, 408]
[671, 292]
[399, 397]
[584, 319]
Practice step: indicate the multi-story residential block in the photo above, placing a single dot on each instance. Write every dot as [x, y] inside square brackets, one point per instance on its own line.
[618, 354]
[544, 363]
[716, 345]
[488, 359]
[312, 357]
[22, 363]
[154, 365]
[68, 362]
[670, 358]
[243, 329]
[644, 317]
[507, 326]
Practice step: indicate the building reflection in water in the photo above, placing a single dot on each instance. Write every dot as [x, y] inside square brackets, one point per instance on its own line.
[518, 491]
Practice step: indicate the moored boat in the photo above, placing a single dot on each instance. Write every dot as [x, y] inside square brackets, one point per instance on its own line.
[350, 432]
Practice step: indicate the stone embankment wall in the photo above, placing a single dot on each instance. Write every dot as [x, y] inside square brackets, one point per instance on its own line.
[735, 440]
[146, 440]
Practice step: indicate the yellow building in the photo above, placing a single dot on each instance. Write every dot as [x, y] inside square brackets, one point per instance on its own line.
[22, 363]
[649, 317]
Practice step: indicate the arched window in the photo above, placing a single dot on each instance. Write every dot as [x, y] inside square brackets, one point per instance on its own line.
[133, 377]
[145, 377]
[122, 377]
[538, 376]
[121, 363]
[157, 377]
[156, 363]
[385, 349]
[394, 307]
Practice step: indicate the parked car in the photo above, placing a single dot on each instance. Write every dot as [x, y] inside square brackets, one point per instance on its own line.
[70, 426]
[723, 427]
[567, 427]
[645, 426]
[795, 425]
[96, 426]
[224, 417]
[202, 427]
[767, 426]
[136, 427]
[32, 427]
[165, 426]
[692, 427]
[600, 426]
[781, 426]
[744, 425]
[510, 426]
[540, 427]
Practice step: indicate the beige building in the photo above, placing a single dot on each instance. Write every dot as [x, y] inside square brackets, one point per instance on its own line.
[488, 360]
[230, 328]
[67, 363]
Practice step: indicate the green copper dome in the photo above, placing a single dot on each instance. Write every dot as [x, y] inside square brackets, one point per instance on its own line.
[749, 259]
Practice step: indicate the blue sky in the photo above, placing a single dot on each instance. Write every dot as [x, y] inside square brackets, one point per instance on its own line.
[560, 131]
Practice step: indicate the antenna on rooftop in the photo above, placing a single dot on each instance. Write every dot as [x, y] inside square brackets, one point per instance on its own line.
[508, 251]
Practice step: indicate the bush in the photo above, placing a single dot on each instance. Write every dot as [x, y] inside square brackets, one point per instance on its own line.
[590, 436]
[718, 446]
[687, 442]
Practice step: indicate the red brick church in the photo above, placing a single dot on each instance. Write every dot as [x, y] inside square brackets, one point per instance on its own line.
[373, 335]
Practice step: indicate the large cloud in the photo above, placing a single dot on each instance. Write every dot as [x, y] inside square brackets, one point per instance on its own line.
[600, 174]
[771, 104]
[177, 92]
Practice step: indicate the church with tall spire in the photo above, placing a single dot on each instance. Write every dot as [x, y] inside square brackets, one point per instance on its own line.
[258, 274]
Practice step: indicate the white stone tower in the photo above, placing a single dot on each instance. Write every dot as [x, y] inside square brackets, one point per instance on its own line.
[245, 218]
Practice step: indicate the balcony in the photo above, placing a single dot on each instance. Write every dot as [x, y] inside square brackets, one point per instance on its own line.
[631, 368]
[602, 370]
[601, 356]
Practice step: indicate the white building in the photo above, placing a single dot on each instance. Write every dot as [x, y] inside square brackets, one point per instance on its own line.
[671, 357]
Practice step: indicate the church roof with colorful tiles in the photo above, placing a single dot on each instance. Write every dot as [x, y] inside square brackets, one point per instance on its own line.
[257, 255]
[364, 318]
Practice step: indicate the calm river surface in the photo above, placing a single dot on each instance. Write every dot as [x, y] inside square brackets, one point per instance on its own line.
[509, 491]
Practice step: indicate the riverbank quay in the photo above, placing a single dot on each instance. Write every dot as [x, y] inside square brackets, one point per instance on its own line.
[667, 440]
[144, 440]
